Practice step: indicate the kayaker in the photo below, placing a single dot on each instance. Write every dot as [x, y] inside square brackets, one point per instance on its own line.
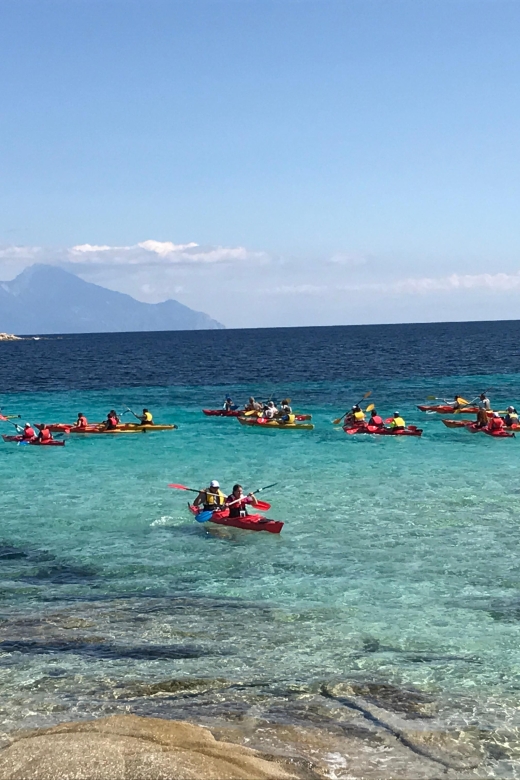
[253, 406]
[397, 422]
[212, 498]
[146, 418]
[82, 421]
[229, 406]
[112, 421]
[44, 434]
[28, 432]
[238, 503]
[270, 411]
[511, 417]
[484, 402]
[356, 416]
[285, 414]
[376, 421]
[496, 423]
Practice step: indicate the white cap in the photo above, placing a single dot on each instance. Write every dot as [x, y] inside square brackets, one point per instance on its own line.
[496, 414]
[396, 414]
[214, 483]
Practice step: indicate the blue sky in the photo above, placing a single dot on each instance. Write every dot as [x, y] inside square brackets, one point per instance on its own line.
[334, 161]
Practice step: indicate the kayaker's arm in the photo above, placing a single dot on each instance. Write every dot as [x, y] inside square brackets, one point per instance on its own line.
[200, 499]
[254, 500]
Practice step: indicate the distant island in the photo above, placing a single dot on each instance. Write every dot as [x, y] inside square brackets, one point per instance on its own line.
[47, 299]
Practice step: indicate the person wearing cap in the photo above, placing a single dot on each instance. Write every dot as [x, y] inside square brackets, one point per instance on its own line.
[28, 432]
[146, 418]
[356, 416]
[511, 417]
[496, 423]
[397, 422]
[211, 498]
[270, 411]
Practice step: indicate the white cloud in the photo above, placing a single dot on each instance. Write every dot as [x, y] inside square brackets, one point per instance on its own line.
[348, 259]
[500, 282]
[164, 253]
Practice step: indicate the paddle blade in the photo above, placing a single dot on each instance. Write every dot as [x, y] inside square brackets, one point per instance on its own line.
[462, 401]
[179, 487]
[431, 398]
[370, 407]
[264, 506]
[337, 420]
[203, 517]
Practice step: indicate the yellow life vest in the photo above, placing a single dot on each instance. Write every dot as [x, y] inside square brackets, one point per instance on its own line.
[148, 418]
[214, 499]
[359, 416]
[398, 422]
[292, 418]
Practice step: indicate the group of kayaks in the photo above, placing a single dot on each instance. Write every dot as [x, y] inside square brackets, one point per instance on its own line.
[258, 419]
[488, 422]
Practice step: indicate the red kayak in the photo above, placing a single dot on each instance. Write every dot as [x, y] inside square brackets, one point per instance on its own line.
[447, 409]
[412, 430]
[249, 522]
[472, 425]
[498, 434]
[36, 442]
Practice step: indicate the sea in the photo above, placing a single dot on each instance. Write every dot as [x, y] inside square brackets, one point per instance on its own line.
[377, 636]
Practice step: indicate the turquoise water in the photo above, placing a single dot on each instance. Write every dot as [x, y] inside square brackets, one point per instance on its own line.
[398, 561]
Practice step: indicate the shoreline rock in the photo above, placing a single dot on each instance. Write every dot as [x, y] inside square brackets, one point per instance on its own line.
[9, 337]
[129, 747]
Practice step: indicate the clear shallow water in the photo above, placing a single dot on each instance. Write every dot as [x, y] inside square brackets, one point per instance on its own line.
[398, 563]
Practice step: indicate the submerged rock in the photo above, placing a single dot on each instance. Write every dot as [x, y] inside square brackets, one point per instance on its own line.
[128, 747]
[9, 337]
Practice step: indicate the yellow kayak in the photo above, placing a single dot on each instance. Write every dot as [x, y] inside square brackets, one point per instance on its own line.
[139, 427]
[130, 428]
[261, 422]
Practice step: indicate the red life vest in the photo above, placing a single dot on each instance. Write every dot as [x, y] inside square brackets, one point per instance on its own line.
[82, 422]
[496, 424]
[28, 433]
[45, 434]
[376, 420]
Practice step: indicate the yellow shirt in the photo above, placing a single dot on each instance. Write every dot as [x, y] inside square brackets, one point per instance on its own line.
[398, 422]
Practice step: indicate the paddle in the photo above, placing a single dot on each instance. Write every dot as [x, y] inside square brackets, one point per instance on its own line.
[339, 419]
[183, 487]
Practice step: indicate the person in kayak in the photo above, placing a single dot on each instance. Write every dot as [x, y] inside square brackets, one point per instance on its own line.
[112, 421]
[496, 423]
[28, 432]
[253, 406]
[397, 423]
[355, 417]
[212, 498]
[376, 421]
[285, 415]
[82, 421]
[229, 406]
[44, 434]
[238, 503]
[146, 418]
[270, 411]
[511, 417]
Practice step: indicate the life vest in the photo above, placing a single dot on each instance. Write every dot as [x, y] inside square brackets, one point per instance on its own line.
[147, 418]
[111, 423]
[237, 508]
[511, 419]
[376, 420]
[398, 422]
[45, 434]
[214, 500]
[358, 416]
[81, 422]
[29, 433]
[291, 418]
[496, 424]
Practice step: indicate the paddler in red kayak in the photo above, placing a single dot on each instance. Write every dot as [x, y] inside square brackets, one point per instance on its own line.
[81, 422]
[376, 421]
[511, 417]
[45, 434]
[355, 417]
[397, 422]
[253, 406]
[496, 423]
[212, 498]
[238, 503]
[28, 432]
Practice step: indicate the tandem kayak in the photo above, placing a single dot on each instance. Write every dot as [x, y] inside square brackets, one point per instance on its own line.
[98, 428]
[248, 523]
[262, 422]
[499, 434]
[34, 442]
[468, 424]
[412, 430]
[447, 409]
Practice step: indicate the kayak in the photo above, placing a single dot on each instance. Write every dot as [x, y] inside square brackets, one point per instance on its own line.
[410, 431]
[262, 422]
[467, 424]
[499, 434]
[248, 523]
[447, 409]
[241, 413]
[139, 427]
[97, 428]
[35, 442]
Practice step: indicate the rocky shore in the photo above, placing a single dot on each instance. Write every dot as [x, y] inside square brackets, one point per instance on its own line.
[9, 337]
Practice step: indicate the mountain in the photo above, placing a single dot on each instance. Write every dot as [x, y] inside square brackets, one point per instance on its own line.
[47, 299]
